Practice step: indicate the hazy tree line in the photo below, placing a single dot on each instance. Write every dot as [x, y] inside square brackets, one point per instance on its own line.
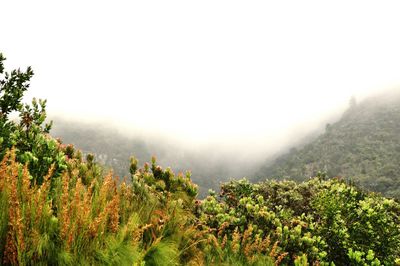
[364, 146]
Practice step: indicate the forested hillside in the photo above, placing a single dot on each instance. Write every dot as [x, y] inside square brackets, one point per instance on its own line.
[114, 148]
[109, 145]
[363, 145]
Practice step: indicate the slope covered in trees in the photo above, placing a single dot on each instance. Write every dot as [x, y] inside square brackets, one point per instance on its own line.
[59, 208]
[113, 149]
[363, 145]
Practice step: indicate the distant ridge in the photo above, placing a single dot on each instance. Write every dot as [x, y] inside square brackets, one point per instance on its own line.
[363, 145]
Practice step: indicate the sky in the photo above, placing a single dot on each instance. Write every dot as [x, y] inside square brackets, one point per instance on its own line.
[204, 71]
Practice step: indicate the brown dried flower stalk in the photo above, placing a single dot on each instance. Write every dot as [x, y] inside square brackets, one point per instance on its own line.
[15, 236]
[280, 258]
[65, 208]
[236, 241]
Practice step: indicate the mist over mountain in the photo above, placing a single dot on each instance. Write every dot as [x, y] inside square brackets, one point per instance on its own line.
[113, 148]
[59, 208]
[364, 145]
[210, 163]
[135, 133]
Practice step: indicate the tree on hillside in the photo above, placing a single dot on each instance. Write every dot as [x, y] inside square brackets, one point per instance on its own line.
[12, 88]
[28, 136]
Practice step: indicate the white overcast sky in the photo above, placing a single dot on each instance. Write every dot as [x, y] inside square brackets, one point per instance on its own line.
[197, 70]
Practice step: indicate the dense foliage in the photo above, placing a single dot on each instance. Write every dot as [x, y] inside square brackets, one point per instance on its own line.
[323, 220]
[58, 208]
[363, 145]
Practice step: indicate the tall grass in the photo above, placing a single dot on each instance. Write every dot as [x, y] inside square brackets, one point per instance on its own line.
[85, 218]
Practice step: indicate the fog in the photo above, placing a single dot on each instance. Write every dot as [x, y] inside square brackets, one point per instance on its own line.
[239, 79]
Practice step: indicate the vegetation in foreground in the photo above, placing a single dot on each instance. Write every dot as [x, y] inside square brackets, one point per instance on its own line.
[57, 208]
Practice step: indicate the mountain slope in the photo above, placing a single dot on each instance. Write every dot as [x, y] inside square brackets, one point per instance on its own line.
[363, 145]
[113, 149]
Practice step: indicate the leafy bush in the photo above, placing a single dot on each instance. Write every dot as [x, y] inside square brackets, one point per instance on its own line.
[326, 220]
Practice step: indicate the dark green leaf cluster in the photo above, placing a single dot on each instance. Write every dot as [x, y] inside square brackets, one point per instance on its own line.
[12, 88]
